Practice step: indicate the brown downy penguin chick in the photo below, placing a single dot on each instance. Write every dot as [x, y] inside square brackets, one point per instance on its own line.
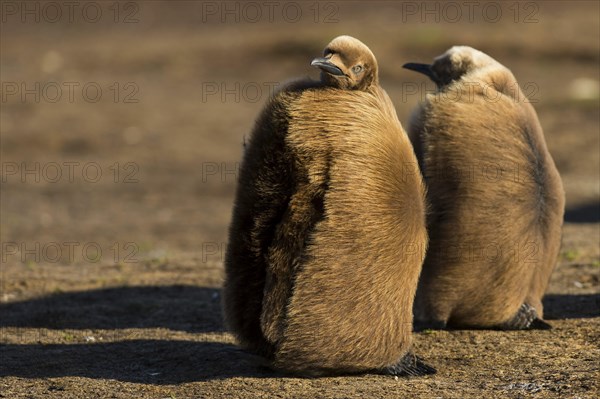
[495, 196]
[315, 277]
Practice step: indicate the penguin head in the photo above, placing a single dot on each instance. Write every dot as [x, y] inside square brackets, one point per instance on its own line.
[454, 64]
[347, 63]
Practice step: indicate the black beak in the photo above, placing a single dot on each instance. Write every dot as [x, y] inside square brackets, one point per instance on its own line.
[327, 66]
[425, 69]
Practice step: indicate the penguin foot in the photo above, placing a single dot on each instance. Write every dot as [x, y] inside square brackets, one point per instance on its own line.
[526, 319]
[409, 366]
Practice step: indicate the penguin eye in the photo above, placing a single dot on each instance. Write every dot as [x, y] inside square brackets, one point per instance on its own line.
[357, 69]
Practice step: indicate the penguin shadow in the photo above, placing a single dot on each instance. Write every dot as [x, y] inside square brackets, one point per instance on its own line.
[176, 307]
[129, 356]
[563, 306]
[157, 362]
[587, 213]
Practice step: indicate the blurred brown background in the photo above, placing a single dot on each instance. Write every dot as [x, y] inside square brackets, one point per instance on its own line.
[121, 133]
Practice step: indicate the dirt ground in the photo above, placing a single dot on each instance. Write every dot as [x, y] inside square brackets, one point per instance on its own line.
[121, 133]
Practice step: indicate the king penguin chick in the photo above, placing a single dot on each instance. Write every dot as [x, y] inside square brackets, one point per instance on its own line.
[328, 232]
[495, 196]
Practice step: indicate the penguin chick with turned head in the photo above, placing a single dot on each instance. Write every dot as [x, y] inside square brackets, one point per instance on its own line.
[328, 230]
[496, 198]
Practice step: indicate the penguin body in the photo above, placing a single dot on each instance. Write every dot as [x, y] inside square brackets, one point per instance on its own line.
[316, 278]
[496, 198]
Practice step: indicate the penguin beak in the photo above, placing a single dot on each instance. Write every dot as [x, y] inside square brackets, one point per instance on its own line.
[327, 66]
[425, 69]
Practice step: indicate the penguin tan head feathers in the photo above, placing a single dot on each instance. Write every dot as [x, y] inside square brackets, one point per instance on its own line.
[347, 63]
[455, 63]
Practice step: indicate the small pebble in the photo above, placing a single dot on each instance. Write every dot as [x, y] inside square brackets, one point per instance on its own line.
[584, 89]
